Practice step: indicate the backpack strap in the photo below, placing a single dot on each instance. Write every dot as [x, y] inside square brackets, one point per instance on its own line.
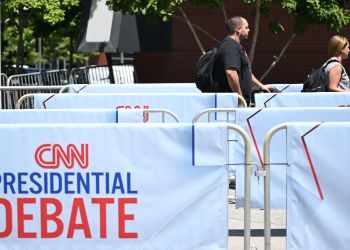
[331, 61]
[336, 61]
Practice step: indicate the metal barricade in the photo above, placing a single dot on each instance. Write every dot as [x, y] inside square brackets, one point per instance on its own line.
[27, 102]
[48, 78]
[247, 192]
[64, 90]
[123, 74]
[266, 174]
[247, 163]
[163, 111]
[3, 79]
[3, 94]
[10, 95]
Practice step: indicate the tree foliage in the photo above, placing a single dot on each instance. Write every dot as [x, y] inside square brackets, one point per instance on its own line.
[19, 13]
[51, 11]
[332, 13]
[157, 8]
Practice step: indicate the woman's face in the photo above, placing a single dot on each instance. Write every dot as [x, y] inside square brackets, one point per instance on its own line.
[345, 51]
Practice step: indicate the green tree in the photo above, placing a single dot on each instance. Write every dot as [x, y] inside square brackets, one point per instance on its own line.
[20, 12]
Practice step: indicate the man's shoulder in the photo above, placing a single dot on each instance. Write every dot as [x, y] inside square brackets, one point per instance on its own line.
[229, 44]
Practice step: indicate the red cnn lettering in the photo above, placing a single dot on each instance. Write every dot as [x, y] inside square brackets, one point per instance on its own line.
[344, 106]
[8, 216]
[145, 107]
[59, 154]
[123, 217]
[53, 217]
[21, 217]
[103, 211]
[78, 203]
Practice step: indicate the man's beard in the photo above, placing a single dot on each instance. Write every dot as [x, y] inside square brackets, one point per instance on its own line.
[243, 38]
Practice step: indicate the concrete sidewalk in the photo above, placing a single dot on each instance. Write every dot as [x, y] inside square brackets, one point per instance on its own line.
[236, 226]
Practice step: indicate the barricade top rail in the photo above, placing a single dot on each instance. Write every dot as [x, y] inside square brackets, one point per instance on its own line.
[64, 89]
[48, 78]
[3, 79]
[24, 98]
[123, 74]
[163, 111]
[23, 88]
[213, 110]
[233, 110]
[9, 95]
[243, 101]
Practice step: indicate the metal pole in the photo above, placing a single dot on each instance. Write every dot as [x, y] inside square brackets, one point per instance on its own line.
[70, 53]
[39, 44]
[0, 41]
[110, 67]
[267, 206]
[247, 181]
[121, 57]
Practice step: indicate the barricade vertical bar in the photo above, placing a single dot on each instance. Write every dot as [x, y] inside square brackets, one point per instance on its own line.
[228, 143]
[247, 182]
[267, 220]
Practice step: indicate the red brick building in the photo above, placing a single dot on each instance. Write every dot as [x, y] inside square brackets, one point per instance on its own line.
[305, 52]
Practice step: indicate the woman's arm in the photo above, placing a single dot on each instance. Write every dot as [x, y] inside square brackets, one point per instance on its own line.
[334, 78]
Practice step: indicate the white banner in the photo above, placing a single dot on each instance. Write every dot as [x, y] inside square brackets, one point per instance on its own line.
[184, 105]
[135, 88]
[257, 122]
[289, 88]
[131, 186]
[130, 115]
[318, 197]
[324, 99]
[72, 116]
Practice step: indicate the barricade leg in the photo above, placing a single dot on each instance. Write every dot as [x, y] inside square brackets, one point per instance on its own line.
[267, 220]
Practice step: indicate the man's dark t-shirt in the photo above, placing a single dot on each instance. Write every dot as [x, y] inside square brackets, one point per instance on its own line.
[231, 55]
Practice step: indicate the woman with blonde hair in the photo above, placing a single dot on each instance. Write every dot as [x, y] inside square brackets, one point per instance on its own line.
[335, 74]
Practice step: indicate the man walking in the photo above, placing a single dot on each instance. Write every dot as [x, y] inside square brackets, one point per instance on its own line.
[232, 66]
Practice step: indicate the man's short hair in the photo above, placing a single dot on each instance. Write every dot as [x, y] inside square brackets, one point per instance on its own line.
[233, 23]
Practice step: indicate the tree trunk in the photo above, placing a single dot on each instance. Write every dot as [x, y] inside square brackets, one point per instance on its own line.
[279, 57]
[255, 34]
[224, 12]
[196, 26]
[194, 32]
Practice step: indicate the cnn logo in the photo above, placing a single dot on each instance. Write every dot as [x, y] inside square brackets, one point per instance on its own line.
[137, 107]
[59, 155]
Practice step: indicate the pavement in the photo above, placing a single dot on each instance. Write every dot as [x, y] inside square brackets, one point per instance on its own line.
[236, 226]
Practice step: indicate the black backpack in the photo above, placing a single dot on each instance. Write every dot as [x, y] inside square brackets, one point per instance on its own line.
[316, 82]
[204, 71]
